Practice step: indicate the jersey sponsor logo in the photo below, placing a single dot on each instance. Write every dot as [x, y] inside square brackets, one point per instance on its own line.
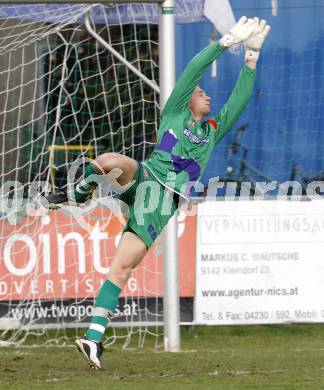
[194, 138]
[191, 123]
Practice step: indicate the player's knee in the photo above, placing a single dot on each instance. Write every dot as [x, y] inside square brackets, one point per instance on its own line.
[142, 252]
[121, 274]
[108, 161]
[124, 269]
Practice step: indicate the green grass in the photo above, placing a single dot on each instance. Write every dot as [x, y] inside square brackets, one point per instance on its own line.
[241, 357]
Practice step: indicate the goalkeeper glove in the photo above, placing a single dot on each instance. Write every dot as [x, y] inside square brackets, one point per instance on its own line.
[255, 42]
[242, 30]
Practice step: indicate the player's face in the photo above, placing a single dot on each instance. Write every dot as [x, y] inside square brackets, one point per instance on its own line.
[199, 103]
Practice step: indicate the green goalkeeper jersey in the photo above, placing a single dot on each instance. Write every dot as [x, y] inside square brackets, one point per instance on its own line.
[184, 144]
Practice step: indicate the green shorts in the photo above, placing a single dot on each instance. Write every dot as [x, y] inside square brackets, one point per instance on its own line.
[151, 205]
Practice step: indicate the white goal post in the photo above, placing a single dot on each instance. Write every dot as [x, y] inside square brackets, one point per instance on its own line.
[167, 80]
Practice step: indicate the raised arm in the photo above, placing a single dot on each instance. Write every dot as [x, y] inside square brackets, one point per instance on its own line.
[244, 86]
[181, 94]
[236, 103]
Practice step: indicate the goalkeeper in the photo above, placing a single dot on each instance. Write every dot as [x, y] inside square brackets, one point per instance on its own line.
[185, 143]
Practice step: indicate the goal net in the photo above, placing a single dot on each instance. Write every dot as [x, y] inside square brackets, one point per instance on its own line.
[63, 96]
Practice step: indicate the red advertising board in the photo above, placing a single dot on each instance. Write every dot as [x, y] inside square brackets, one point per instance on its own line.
[54, 257]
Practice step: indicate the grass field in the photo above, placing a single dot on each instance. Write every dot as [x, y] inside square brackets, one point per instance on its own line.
[245, 357]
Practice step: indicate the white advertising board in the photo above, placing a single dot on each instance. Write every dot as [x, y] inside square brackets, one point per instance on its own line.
[260, 262]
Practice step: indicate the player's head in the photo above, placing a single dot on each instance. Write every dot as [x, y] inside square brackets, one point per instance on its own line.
[199, 104]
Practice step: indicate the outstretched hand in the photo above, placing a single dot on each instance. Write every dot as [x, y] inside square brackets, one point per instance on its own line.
[254, 43]
[242, 31]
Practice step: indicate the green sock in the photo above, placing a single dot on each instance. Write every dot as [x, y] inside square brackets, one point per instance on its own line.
[106, 303]
[84, 188]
